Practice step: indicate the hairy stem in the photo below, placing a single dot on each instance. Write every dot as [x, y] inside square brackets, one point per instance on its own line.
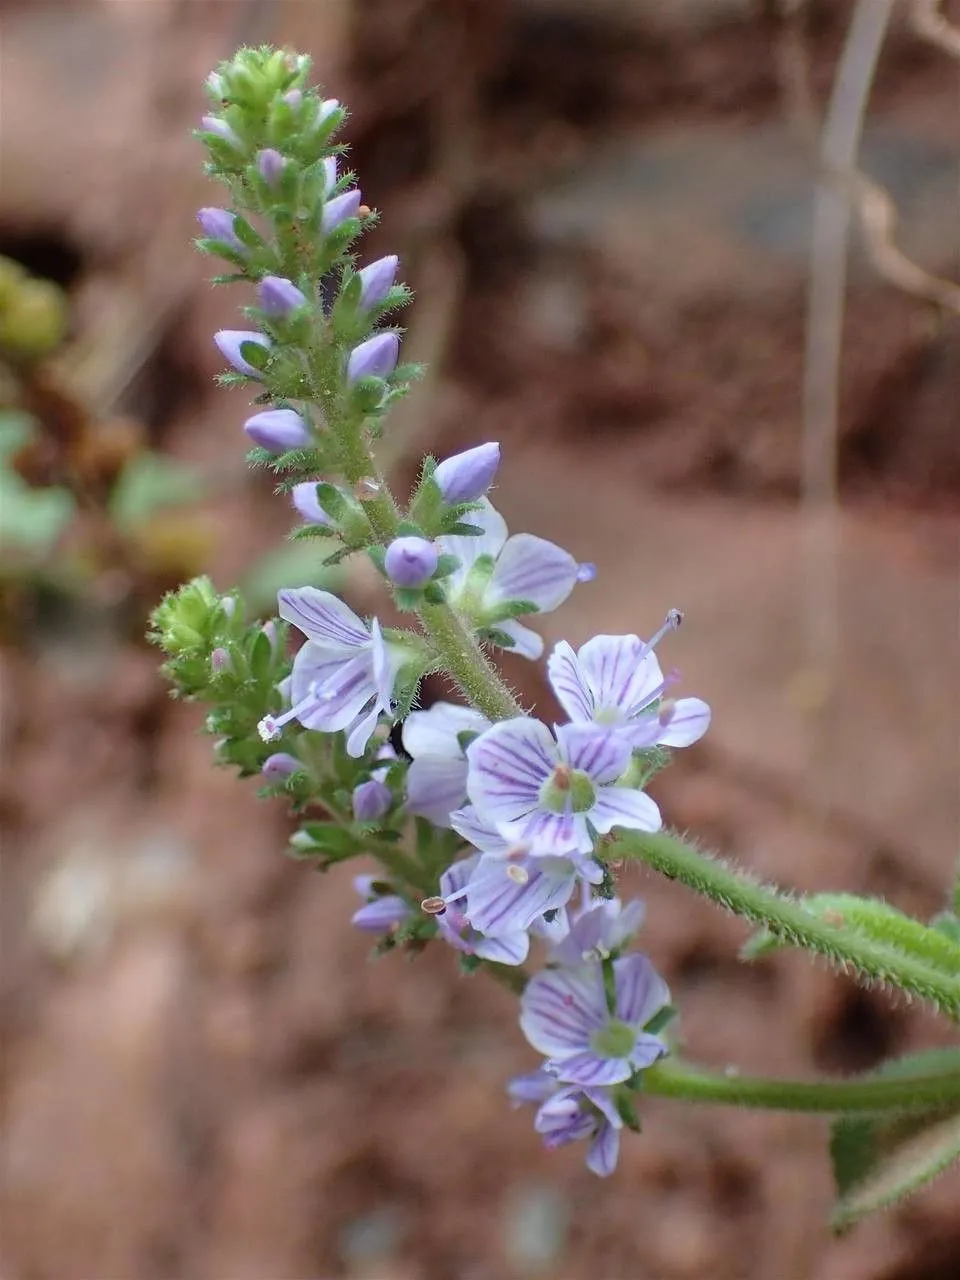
[789, 921]
[922, 1091]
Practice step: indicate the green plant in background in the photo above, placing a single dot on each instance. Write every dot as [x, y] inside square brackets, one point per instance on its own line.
[494, 833]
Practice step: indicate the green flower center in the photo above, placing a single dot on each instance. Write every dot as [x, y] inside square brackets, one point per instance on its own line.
[568, 788]
[615, 1040]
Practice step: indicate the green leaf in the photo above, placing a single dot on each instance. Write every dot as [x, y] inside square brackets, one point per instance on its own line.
[879, 1159]
[148, 483]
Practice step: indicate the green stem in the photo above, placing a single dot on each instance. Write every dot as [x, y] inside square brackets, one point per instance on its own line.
[788, 919]
[463, 658]
[454, 642]
[672, 1079]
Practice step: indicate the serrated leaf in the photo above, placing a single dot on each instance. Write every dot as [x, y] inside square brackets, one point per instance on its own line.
[916, 1161]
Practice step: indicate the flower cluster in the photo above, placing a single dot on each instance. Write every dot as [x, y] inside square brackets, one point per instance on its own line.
[490, 826]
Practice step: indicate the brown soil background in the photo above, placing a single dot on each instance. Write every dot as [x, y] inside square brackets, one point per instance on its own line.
[605, 214]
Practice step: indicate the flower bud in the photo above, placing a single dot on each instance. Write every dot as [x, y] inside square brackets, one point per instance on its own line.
[375, 358]
[467, 476]
[271, 165]
[304, 498]
[279, 766]
[410, 562]
[278, 430]
[219, 660]
[293, 98]
[220, 128]
[279, 297]
[214, 83]
[376, 281]
[217, 224]
[329, 166]
[339, 209]
[230, 343]
[327, 108]
[371, 800]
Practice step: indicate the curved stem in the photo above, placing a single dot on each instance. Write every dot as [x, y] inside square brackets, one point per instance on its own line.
[918, 1092]
[788, 920]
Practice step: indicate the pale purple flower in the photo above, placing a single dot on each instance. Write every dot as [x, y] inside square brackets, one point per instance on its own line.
[342, 678]
[279, 297]
[496, 571]
[515, 886]
[558, 793]
[278, 430]
[327, 107]
[376, 281]
[220, 128]
[597, 931]
[437, 776]
[304, 498]
[271, 165]
[466, 476]
[565, 1016]
[215, 85]
[568, 1113]
[382, 913]
[293, 98]
[508, 945]
[375, 358]
[231, 342]
[280, 766]
[616, 681]
[410, 561]
[371, 800]
[218, 224]
[339, 208]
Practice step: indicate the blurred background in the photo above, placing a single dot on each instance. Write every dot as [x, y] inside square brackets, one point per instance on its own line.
[607, 210]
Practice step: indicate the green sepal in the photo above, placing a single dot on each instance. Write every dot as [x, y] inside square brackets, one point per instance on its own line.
[462, 530]
[327, 840]
[433, 594]
[246, 234]
[661, 1019]
[499, 638]
[511, 609]
[446, 564]
[407, 598]
[367, 394]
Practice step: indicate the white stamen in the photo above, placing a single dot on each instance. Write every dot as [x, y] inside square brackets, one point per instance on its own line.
[670, 623]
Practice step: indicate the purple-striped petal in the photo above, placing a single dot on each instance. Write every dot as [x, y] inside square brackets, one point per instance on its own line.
[526, 643]
[620, 671]
[531, 568]
[571, 689]
[648, 1050]
[560, 1010]
[623, 807]
[362, 731]
[482, 835]
[436, 786]
[641, 992]
[588, 1068]
[507, 948]
[551, 834]
[497, 903]
[434, 732]
[689, 720]
[380, 915]
[323, 618]
[602, 755]
[604, 1151]
[533, 1086]
[457, 875]
[507, 766]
